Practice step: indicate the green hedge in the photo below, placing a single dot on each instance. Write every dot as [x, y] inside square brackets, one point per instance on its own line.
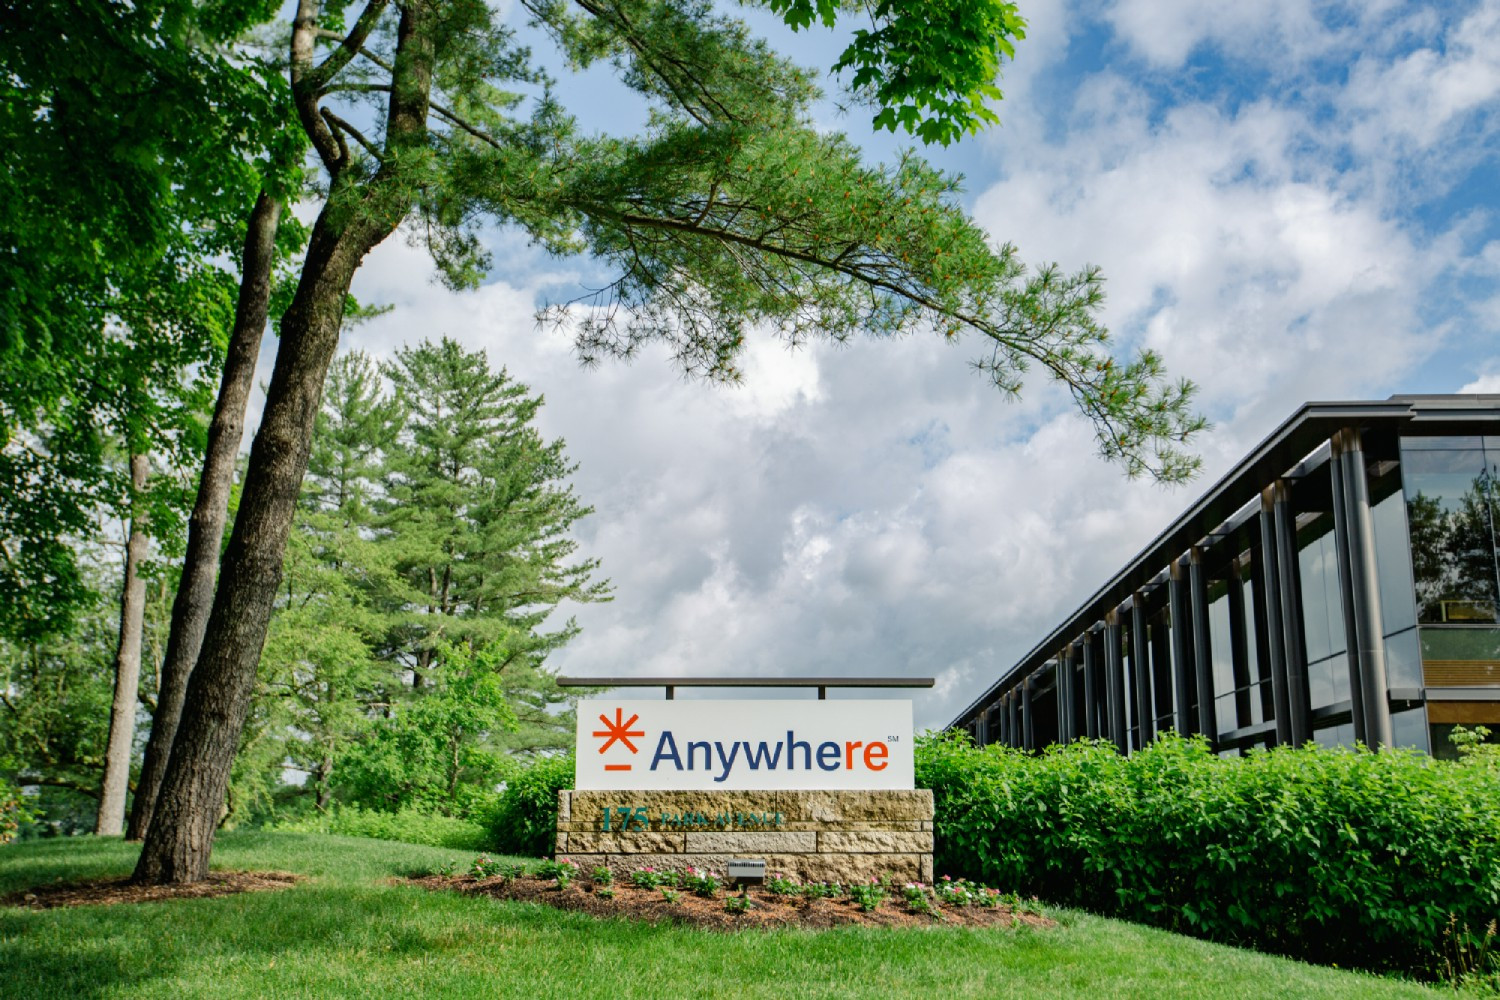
[411, 826]
[524, 818]
[1331, 855]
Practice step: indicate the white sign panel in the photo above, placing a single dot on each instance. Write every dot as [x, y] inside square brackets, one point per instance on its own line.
[744, 744]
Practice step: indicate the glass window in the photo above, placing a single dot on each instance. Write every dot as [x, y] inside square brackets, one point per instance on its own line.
[1441, 734]
[1252, 583]
[1403, 660]
[1335, 736]
[1441, 443]
[1220, 641]
[1450, 517]
[1398, 611]
[1322, 605]
[1328, 681]
[1224, 712]
[1409, 728]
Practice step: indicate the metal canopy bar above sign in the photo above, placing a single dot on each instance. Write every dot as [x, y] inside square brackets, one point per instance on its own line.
[821, 683]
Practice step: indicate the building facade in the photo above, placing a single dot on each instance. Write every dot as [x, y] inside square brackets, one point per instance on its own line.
[1340, 584]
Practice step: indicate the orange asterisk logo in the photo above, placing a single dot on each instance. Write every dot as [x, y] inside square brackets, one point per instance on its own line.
[619, 730]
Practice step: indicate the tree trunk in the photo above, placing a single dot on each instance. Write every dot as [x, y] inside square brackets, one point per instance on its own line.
[195, 591]
[322, 783]
[111, 816]
[355, 218]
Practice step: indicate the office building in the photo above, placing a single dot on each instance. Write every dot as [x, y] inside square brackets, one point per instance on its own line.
[1340, 584]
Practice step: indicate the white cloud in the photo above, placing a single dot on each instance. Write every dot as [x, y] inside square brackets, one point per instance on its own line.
[1418, 97]
[1278, 36]
[1484, 385]
[1235, 258]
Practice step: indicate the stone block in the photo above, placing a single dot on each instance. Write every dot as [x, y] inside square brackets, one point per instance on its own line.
[903, 825]
[588, 805]
[749, 842]
[564, 807]
[866, 842]
[840, 807]
[626, 843]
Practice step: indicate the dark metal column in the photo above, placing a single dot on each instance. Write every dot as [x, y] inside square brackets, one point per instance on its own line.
[1065, 661]
[1203, 653]
[1346, 588]
[1299, 712]
[1090, 696]
[1182, 646]
[1275, 632]
[1012, 723]
[1360, 584]
[1114, 682]
[1262, 663]
[982, 728]
[1058, 683]
[1239, 644]
[1140, 670]
[1028, 729]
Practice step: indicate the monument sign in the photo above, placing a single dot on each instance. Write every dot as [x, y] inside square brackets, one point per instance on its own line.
[818, 790]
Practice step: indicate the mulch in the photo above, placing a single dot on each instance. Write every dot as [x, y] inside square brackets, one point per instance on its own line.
[769, 910]
[107, 892]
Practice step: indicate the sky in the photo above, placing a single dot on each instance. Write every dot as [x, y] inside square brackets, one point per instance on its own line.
[1289, 201]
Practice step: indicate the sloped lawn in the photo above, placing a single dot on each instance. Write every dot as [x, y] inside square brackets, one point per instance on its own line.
[353, 927]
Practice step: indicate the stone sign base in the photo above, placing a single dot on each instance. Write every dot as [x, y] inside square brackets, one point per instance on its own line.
[809, 835]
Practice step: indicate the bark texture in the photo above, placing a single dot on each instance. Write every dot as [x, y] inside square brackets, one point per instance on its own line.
[195, 591]
[356, 217]
[111, 817]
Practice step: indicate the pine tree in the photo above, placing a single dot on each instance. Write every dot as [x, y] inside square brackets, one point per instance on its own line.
[476, 510]
[320, 674]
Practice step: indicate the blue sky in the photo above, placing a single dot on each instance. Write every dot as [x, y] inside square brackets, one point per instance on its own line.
[1289, 201]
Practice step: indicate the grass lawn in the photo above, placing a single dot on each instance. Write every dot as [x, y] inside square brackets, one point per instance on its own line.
[345, 933]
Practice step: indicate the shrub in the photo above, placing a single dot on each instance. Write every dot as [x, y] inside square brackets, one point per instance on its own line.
[484, 867]
[13, 811]
[559, 869]
[738, 904]
[783, 885]
[646, 878]
[704, 883]
[411, 826]
[868, 895]
[524, 817]
[1332, 855]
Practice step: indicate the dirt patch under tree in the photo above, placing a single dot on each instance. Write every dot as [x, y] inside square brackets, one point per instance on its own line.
[105, 892]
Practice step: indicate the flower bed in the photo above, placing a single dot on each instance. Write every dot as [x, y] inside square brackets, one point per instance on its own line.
[700, 898]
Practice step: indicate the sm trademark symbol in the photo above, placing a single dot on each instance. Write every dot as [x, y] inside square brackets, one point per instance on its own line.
[893, 739]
